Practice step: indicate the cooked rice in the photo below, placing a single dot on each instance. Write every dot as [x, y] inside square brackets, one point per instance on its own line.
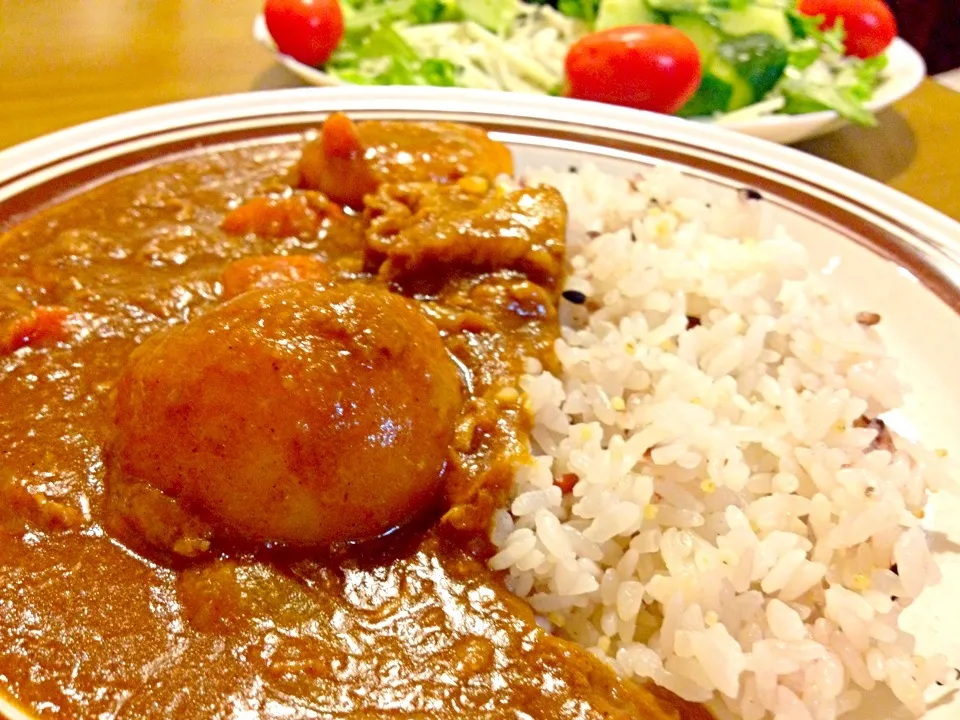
[731, 527]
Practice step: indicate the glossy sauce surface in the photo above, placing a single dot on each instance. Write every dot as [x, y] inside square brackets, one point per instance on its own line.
[99, 619]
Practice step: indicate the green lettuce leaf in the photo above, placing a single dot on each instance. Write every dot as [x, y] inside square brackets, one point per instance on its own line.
[868, 74]
[804, 96]
[425, 12]
[495, 15]
[383, 57]
[364, 15]
[585, 10]
[821, 77]
[807, 27]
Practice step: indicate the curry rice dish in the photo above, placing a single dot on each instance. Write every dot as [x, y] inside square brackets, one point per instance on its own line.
[258, 411]
[361, 427]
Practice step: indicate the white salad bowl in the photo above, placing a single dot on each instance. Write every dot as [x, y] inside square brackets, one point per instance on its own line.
[904, 73]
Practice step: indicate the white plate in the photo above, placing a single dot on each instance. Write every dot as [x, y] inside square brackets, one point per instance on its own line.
[883, 251]
[905, 71]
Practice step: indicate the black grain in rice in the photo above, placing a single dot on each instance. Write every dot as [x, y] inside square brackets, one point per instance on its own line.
[574, 296]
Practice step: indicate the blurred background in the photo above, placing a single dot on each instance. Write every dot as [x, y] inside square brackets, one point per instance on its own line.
[67, 61]
[933, 27]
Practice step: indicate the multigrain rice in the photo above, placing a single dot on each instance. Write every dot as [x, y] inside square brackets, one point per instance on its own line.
[708, 505]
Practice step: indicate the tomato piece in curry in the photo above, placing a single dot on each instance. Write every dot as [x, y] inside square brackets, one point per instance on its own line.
[259, 405]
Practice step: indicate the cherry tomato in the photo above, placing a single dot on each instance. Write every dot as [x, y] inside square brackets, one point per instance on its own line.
[306, 30]
[869, 24]
[648, 67]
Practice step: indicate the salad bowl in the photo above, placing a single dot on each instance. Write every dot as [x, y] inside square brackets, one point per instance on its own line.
[903, 72]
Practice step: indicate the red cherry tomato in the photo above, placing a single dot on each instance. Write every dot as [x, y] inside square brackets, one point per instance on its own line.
[869, 24]
[306, 30]
[648, 67]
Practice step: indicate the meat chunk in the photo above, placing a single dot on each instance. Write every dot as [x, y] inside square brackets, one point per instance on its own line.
[348, 161]
[336, 163]
[425, 229]
[305, 414]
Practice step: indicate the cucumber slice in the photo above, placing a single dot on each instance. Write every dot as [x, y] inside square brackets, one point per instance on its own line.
[704, 35]
[737, 23]
[722, 89]
[758, 58]
[713, 96]
[671, 6]
[614, 13]
[741, 93]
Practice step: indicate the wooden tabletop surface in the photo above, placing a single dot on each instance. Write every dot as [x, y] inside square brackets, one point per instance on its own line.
[66, 61]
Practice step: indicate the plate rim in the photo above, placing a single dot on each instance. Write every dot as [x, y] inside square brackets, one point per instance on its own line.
[924, 241]
[24, 158]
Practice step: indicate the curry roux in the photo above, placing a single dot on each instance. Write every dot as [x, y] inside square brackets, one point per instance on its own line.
[98, 622]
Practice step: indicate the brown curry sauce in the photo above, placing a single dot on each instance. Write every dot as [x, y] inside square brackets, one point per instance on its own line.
[97, 620]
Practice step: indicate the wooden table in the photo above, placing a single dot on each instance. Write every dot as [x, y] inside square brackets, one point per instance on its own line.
[66, 61]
